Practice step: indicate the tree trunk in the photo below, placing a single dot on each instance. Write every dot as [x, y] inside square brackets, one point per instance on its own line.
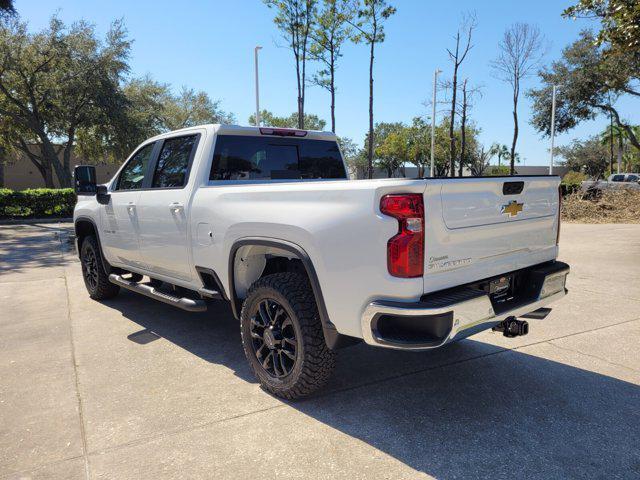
[620, 147]
[370, 152]
[300, 109]
[611, 145]
[333, 95]
[452, 138]
[50, 158]
[2, 162]
[512, 168]
[66, 159]
[463, 127]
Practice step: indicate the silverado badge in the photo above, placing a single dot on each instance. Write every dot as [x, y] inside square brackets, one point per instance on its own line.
[512, 208]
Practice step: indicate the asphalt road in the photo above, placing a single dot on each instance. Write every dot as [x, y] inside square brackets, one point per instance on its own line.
[131, 388]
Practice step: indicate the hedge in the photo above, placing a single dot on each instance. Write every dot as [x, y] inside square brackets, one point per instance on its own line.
[37, 203]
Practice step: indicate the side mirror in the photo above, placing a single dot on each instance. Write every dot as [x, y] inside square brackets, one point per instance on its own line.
[84, 179]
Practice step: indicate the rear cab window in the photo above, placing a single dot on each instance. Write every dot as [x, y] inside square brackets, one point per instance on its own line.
[174, 161]
[243, 157]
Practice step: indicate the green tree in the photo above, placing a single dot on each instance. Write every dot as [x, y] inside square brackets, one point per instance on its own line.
[147, 108]
[620, 21]
[353, 156]
[6, 8]
[294, 19]
[311, 120]
[590, 83]
[190, 108]
[520, 53]
[419, 149]
[393, 151]
[587, 156]
[53, 85]
[501, 151]
[331, 31]
[370, 30]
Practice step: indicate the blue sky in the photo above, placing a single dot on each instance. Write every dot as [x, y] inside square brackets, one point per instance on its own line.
[208, 45]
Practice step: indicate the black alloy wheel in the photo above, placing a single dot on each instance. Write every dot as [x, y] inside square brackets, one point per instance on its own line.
[95, 277]
[274, 338]
[90, 268]
[282, 336]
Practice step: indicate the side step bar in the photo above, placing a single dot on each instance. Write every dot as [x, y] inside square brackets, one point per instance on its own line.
[187, 304]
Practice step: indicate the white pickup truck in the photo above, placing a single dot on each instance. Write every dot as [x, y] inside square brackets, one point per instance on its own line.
[311, 261]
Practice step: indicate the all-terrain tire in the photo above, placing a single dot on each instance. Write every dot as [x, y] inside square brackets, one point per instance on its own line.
[314, 361]
[95, 277]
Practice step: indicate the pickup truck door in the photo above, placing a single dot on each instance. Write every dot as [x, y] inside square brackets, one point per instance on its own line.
[120, 226]
[162, 209]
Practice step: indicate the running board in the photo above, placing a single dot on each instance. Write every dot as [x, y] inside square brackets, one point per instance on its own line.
[184, 303]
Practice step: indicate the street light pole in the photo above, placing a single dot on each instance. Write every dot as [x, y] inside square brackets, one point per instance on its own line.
[433, 121]
[255, 53]
[553, 127]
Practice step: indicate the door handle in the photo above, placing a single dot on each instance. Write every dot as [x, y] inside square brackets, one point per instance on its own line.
[131, 208]
[176, 207]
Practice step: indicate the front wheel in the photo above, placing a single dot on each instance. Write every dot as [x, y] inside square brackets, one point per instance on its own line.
[282, 336]
[95, 277]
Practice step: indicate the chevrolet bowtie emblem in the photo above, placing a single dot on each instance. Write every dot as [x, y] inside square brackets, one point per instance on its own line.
[512, 208]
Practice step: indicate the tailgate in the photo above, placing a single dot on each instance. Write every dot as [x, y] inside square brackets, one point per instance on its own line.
[480, 227]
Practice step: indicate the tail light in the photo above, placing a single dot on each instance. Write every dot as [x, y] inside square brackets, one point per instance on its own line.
[405, 250]
[559, 214]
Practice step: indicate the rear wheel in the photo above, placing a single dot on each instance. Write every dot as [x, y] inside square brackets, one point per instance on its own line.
[95, 277]
[282, 336]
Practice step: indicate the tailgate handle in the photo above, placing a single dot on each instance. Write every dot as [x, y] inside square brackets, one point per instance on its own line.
[512, 188]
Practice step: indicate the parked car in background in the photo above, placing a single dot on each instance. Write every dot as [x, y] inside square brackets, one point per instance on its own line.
[310, 261]
[615, 181]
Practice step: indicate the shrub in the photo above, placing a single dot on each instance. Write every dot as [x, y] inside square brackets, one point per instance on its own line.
[498, 171]
[574, 177]
[37, 202]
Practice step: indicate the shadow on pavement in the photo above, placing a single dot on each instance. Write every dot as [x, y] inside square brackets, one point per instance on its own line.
[28, 247]
[505, 414]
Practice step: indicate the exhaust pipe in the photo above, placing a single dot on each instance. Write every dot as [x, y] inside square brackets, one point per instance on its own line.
[512, 327]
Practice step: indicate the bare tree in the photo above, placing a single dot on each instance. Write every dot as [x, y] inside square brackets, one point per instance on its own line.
[520, 54]
[370, 30]
[294, 18]
[329, 34]
[457, 56]
[468, 94]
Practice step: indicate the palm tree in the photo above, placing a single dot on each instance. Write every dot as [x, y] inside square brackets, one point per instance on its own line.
[501, 151]
[611, 133]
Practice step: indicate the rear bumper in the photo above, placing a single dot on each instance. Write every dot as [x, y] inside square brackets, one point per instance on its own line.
[448, 316]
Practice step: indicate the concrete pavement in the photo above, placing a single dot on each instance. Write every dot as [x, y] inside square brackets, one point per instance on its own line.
[131, 388]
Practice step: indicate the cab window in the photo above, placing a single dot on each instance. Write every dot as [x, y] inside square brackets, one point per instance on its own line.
[173, 162]
[132, 175]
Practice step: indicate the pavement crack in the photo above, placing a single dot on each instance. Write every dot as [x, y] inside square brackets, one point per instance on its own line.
[83, 432]
[186, 429]
[596, 357]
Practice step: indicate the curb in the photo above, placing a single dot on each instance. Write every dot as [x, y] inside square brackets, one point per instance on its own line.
[32, 221]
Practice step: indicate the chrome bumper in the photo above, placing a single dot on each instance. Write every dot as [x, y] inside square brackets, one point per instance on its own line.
[464, 317]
